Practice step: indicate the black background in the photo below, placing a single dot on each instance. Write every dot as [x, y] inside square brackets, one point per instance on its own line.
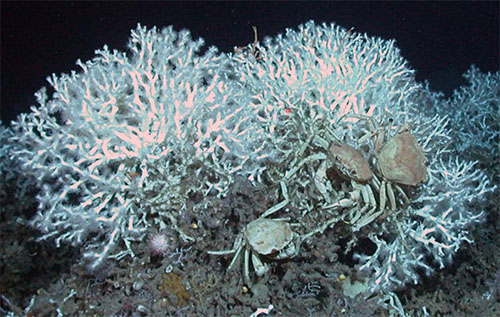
[439, 39]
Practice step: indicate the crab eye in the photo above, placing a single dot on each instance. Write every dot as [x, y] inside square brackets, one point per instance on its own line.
[350, 171]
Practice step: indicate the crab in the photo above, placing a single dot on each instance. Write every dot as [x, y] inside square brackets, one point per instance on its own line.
[399, 161]
[263, 237]
[349, 162]
[351, 165]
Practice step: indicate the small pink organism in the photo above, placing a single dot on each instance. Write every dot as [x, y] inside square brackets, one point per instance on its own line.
[161, 244]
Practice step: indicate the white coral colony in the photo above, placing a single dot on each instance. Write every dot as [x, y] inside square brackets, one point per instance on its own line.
[113, 149]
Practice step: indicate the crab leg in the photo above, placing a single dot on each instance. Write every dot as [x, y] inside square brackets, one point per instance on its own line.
[223, 252]
[238, 245]
[246, 269]
[382, 194]
[403, 194]
[366, 220]
[392, 199]
[235, 257]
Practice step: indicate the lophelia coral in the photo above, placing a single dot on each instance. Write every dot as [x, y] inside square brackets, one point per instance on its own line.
[124, 143]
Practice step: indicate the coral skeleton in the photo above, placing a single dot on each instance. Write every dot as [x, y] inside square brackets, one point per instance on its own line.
[127, 128]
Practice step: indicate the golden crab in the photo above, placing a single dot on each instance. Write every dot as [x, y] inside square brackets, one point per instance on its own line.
[349, 162]
[272, 238]
[351, 165]
[399, 161]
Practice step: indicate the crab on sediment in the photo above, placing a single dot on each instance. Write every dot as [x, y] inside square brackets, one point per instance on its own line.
[272, 238]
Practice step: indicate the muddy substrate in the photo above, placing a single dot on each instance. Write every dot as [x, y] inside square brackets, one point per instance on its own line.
[190, 282]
